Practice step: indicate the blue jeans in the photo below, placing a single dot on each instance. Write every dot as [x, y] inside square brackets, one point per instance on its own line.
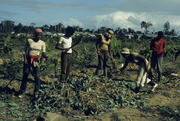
[26, 72]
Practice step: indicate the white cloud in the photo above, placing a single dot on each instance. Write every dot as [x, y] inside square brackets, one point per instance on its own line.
[72, 22]
[133, 20]
[113, 14]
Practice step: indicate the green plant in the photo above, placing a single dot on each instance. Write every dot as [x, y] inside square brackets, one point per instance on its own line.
[12, 69]
[114, 117]
[169, 113]
[115, 46]
[6, 46]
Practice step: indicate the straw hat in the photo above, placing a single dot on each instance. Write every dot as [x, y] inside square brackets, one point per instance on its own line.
[110, 32]
[125, 51]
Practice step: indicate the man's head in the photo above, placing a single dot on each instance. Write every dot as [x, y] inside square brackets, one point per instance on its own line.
[69, 31]
[109, 33]
[125, 52]
[38, 33]
[160, 34]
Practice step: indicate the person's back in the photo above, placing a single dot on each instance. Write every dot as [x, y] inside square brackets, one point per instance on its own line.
[136, 58]
[143, 64]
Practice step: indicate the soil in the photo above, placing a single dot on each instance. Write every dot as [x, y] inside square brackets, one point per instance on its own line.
[166, 94]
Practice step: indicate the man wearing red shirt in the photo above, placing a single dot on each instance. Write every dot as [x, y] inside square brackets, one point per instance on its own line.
[158, 50]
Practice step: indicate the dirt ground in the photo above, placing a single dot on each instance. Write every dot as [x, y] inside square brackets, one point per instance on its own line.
[166, 94]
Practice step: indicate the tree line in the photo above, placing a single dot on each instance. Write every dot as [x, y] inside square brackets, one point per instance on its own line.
[8, 26]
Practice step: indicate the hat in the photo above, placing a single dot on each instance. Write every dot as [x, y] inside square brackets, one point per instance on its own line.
[38, 30]
[125, 51]
[110, 32]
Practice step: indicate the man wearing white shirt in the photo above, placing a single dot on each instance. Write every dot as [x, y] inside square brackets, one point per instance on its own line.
[65, 44]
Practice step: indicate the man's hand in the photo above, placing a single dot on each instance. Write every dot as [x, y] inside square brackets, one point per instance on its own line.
[110, 55]
[122, 70]
[98, 52]
[44, 55]
[25, 61]
[42, 61]
[66, 49]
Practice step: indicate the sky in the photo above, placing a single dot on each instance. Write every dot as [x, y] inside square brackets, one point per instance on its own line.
[93, 14]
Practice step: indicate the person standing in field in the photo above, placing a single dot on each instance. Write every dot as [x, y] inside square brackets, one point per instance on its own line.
[144, 67]
[103, 51]
[158, 51]
[32, 51]
[65, 44]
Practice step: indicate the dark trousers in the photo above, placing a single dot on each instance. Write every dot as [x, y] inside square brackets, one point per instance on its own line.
[156, 63]
[26, 72]
[66, 62]
[102, 62]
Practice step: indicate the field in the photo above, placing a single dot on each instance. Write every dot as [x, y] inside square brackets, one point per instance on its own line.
[87, 97]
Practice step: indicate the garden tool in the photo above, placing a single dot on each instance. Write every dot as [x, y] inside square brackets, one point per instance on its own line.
[177, 54]
[105, 72]
[9, 82]
[76, 43]
[97, 72]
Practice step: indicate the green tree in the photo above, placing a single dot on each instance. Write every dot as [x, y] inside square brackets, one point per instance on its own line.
[77, 28]
[18, 28]
[31, 27]
[45, 28]
[7, 26]
[102, 30]
[59, 27]
[146, 25]
[173, 32]
[166, 28]
[131, 31]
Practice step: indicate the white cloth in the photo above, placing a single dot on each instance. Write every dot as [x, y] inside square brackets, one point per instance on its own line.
[34, 48]
[66, 43]
[142, 76]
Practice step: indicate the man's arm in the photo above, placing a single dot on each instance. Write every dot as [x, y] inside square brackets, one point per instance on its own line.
[164, 46]
[97, 44]
[125, 65]
[109, 50]
[25, 52]
[44, 51]
[151, 45]
[59, 45]
[44, 55]
[104, 41]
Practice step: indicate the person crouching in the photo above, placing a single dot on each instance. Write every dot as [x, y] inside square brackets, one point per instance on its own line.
[144, 67]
